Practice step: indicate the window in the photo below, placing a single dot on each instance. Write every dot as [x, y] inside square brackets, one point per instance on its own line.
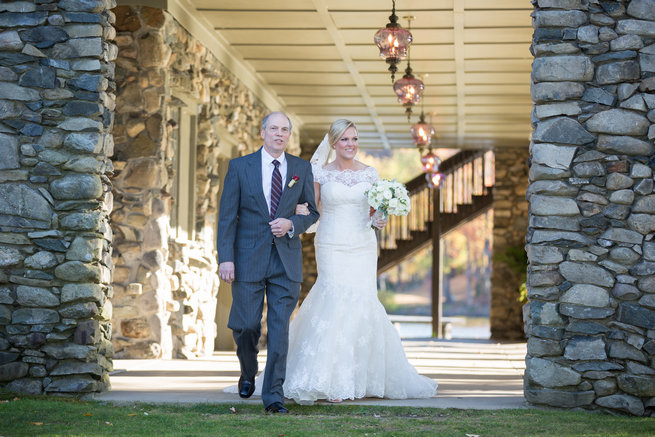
[182, 141]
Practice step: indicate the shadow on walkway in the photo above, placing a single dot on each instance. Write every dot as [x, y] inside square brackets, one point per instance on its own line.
[474, 374]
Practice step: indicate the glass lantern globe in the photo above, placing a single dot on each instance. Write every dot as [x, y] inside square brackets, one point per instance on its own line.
[408, 89]
[434, 179]
[393, 42]
[430, 162]
[422, 132]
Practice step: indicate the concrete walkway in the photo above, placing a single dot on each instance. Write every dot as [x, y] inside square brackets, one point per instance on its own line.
[474, 374]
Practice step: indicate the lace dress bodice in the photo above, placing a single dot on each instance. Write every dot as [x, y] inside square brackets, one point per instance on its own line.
[345, 218]
[348, 178]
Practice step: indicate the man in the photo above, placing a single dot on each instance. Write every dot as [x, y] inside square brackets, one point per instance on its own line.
[259, 252]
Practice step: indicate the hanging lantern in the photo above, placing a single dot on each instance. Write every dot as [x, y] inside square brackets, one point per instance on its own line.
[393, 42]
[408, 89]
[434, 179]
[430, 162]
[422, 132]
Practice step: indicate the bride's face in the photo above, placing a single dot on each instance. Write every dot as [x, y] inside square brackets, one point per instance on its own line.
[346, 147]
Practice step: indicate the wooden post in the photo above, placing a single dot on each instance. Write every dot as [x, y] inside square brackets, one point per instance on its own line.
[436, 266]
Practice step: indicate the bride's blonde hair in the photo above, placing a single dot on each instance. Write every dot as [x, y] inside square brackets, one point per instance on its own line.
[338, 128]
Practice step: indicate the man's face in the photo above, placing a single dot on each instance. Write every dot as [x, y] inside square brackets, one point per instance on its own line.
[276, 134]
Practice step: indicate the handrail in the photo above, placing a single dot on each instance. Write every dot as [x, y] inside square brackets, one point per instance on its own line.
[468, 176]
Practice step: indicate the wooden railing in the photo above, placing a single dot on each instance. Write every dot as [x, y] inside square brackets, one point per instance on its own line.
[464, 194]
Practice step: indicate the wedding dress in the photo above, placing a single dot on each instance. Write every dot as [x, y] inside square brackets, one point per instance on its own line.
[341, 343]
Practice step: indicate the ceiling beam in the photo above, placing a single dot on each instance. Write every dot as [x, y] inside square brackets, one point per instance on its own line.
[458, 32]
[322, 9]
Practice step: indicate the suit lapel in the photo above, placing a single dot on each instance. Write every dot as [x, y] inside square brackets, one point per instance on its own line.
[255, 180]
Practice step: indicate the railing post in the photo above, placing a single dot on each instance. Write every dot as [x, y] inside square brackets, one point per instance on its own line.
[437, 306]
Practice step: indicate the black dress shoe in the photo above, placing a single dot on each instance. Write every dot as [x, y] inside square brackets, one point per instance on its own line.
[276, 407]
[246, 387]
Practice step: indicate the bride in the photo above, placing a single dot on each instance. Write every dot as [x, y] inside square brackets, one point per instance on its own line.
[341, 342]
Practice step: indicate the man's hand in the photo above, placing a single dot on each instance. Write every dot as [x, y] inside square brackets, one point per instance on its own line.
[280, 226]
[226, 271]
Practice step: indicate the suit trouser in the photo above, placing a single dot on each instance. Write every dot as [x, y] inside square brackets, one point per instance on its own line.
[245, 322]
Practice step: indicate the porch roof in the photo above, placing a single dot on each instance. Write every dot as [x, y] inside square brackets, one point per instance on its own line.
[316, 60]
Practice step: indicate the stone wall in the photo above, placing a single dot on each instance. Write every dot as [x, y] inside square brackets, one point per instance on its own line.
[56, 98]
[510, 222]
[590, 245]
[309, 268]
[166, 289]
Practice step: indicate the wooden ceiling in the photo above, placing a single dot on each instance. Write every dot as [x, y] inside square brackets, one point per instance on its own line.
[319, 58]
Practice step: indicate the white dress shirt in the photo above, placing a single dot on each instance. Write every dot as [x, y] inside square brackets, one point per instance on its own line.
[267, 174]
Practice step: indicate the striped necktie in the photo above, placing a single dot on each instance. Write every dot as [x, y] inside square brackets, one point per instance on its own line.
[276, 188]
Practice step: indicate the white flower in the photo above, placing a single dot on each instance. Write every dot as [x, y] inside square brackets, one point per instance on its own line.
[389, 197]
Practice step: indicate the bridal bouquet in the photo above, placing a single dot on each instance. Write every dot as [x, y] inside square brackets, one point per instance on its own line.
[388, 198]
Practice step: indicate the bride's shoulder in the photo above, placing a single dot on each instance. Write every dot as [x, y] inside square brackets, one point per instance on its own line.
[319, 173]
[366, 172]
[368, 169]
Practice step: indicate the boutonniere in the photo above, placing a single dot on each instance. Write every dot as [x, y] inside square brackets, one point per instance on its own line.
[293, 181]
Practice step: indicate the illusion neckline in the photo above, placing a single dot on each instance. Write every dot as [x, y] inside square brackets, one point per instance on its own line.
[346, 170]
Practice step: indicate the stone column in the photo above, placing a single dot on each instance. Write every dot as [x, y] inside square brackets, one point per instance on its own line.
[508, 254]
[591, 320]
[142, 282]
[56, 103]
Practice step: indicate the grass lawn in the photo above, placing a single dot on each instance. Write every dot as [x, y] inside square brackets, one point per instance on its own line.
[32, 416]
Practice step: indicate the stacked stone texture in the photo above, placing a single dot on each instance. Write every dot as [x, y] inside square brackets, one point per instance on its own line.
[510, 221]
[309, 267]
[165, 290]
[591, 283]
[56, 98]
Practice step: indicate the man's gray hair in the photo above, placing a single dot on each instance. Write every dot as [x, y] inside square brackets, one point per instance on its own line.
[265, 120]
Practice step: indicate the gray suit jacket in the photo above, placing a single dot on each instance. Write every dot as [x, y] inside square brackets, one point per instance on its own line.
[244, 235]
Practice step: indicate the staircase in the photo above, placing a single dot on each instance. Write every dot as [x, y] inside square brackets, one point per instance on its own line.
[465, 193]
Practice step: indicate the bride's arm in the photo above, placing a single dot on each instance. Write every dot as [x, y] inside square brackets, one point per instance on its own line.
[317, 194]
[376, 221]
